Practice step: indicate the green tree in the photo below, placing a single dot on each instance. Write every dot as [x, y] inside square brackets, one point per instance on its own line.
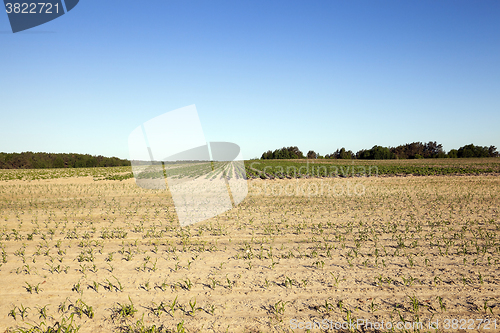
[311, 154]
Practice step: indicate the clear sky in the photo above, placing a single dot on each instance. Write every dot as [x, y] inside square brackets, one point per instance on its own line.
[263, 74]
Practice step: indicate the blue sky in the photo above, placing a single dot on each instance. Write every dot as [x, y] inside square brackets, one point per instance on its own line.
[263, 74]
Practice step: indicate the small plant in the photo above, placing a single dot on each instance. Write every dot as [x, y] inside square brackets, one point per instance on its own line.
[319, 264]
[33, 288]
[465, 280]
[415, 304]
[340, 305]
[110, 257]
[336, 279]
[173, 305]
[279, 307]
[441, 304]
[154, 268]
[288, 282]
[77, 287]
[373, 306]
[81, 308]
[95, 286]
[23, 311]
[408, 281]
[486, 306]
[192, 305]
[211, 309]
[146, 286]
[110, 285]
[480, 277]
[188, 284]
[124, 310]
[350, 319]
[328, 306]
[163, 285]
[62, 307]
[410, 260]
[120, 287]
[229, 283]
[43, 312]
[158, 309]
[12, 313]
[213, 283]
[180, 327]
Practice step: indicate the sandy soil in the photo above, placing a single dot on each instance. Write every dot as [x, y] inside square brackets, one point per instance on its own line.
[293, 252]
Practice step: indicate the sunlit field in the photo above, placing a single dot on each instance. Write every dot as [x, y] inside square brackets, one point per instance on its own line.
[87, 250]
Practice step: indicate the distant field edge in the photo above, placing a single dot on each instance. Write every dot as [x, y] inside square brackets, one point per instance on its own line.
[291, 169]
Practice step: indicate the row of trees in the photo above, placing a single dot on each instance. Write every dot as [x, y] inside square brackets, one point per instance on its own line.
[30, 160]
[407, 151]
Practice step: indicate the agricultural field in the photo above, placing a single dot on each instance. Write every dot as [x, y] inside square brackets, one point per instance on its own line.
[269, 169]
[88, 250]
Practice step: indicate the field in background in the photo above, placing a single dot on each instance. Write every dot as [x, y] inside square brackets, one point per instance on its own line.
[269, 169]
[80, 249]
[355, 168]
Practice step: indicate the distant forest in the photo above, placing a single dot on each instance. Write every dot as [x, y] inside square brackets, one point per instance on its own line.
[30, 160]
[406, 151]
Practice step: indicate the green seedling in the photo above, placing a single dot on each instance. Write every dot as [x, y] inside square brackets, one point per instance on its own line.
[336, 279]
[288, 282]
[158, 309]
[95, 286]
[146, 286]
[33, 288]
[373, 307]
[188, 284]
[125, 310]
[211, 309]
[192, 305]
[77, 287]
[328, 306]
[23, 311]
[279, 307]
[441, 303]
[415, 304]
[180, 327]
[173, 305]
[487, 307]
[213, 283]
[43, 312]
[340, 305]
[12, 313]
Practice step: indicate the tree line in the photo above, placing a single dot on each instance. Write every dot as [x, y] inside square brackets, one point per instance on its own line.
[30, 160]
[412, 150]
